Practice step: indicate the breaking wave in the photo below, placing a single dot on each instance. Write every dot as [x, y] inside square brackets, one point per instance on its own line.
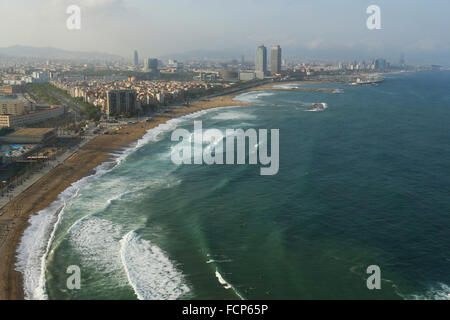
[439, 291]
[35, 244]
[253, 97]
[227, 285]
[149, 271]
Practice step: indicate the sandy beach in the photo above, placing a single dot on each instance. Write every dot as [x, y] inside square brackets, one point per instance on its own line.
[14, 216]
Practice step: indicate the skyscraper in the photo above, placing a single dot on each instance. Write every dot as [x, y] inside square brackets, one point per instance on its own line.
[151, 65]
[120, 102]
[261, 62]
[275, 60]
[381, 64]
[136, 58]
[402, 60]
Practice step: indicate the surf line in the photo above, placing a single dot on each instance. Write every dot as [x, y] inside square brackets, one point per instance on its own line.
[227, 285]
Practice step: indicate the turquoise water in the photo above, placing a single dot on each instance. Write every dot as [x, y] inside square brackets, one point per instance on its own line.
[365, 182]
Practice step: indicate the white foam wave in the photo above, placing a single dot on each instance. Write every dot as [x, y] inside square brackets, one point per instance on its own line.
[127, 259]
[35, 244]
[440, 291]
[232, 115]
[288, 86]
[154, 134]
[253, 97]
[97, 242]
[149, 271]
[33, 251]
[97, 207]
[227, 285]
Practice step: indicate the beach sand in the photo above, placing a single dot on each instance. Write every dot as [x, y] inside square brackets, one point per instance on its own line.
[14, 216]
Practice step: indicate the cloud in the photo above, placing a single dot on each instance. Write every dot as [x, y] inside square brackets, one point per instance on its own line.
[99, 3]
[92, 4]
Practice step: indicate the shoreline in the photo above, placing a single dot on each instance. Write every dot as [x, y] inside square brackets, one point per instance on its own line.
[15, 215]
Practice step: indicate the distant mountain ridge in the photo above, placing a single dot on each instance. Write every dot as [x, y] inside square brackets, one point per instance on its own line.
[53, 53]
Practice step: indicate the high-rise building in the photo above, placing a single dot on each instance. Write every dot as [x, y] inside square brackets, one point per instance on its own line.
[151, 65]
[402, 60]
[136, 58]
[275, 60]
[381, 64]
[261, 62]
[120, 102]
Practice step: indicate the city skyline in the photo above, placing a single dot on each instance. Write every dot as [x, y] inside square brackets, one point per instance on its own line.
[307, 30]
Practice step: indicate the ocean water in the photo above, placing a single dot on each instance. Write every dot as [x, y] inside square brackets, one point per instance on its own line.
[364, 182]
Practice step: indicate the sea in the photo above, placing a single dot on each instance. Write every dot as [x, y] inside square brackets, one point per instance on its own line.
[364, 182]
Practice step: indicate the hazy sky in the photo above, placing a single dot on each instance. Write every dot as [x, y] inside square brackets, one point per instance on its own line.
[304, 28]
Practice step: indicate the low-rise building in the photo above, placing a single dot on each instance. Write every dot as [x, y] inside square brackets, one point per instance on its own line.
[247, 76]
[15, 107]
[29, 136]
[10, 89]
[10, 120]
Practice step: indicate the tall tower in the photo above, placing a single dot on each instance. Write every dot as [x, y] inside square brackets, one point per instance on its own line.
[136, 58]
[151, 65]
[275, 60]
[261, 62]
[402, 60]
